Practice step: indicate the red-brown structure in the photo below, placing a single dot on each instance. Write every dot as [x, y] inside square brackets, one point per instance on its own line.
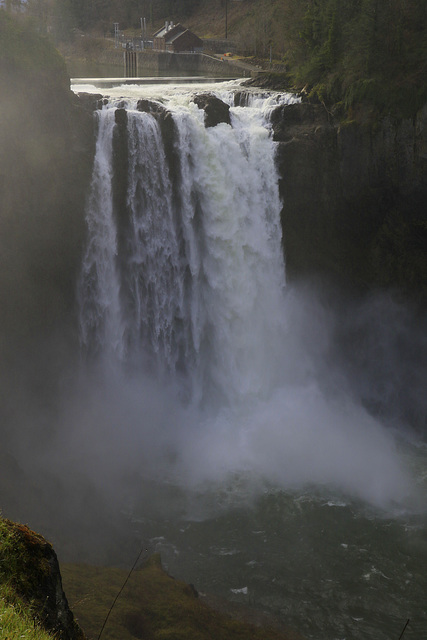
[176, 39]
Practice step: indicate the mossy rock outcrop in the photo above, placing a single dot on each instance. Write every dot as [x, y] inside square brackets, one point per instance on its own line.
[29, 567]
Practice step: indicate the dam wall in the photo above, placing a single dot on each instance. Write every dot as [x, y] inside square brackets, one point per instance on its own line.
[165, 63]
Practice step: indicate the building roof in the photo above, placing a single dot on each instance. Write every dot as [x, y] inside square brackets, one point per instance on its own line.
[169, 30]
[174, 36]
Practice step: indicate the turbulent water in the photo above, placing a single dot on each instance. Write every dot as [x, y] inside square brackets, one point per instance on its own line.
[265, 479]
[188, 288]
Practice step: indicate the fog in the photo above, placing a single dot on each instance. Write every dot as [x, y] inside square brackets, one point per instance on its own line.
[79, 452]
[314, 427]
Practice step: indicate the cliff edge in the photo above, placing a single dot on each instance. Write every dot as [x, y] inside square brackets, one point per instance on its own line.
[354, 195]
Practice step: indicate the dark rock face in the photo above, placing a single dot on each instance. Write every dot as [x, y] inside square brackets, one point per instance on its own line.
[46, 154]
[120, 179]
[287, 120]
[149, 106]
[241, 98]
[354, 198]
[216, 110]
[91, 101]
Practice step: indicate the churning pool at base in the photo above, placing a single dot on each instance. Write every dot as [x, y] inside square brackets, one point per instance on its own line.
[325, 566]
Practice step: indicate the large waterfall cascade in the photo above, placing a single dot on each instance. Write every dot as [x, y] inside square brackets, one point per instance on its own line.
[183, 281]
[195, 287]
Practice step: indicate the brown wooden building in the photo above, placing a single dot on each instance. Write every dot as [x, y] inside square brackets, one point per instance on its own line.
[176, 39]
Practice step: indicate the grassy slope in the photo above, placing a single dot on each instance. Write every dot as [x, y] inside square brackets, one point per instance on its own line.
[15, 619]
[153, 606]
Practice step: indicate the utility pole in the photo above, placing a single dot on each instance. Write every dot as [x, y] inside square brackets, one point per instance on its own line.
[116, 34]
[226, 19]
[143, 32]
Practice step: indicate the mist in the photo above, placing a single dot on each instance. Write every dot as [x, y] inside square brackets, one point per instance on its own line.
[105, 438]
[311, 428]
[121, 431]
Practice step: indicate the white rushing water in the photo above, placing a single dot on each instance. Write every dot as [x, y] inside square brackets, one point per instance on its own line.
[100, 312]
[186, 285]
[197, 265]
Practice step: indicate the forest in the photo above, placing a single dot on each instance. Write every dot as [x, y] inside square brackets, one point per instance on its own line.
[340, 52]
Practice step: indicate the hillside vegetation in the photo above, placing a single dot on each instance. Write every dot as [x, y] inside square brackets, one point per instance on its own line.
[16, 622]
[339, 51]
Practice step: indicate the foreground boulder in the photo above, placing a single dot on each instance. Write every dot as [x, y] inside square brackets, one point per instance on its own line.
[29, 565]
[216, 110]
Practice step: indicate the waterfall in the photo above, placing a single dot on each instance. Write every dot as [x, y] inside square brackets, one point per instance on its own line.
[209, 364]
[100, 312]
[187, 280]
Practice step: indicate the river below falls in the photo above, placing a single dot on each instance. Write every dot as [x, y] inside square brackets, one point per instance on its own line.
[319, 563]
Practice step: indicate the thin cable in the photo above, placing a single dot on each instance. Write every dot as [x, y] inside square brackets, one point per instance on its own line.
[404, 629]
[117, 596]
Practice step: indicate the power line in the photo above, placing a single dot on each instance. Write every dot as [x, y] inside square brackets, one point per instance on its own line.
[117, 596]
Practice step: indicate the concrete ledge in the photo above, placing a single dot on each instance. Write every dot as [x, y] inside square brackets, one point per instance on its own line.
[112, 82]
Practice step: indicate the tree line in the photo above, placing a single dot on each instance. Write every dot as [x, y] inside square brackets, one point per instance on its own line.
[63, 18]
[346, 51]
[364, 51]
[339, 51]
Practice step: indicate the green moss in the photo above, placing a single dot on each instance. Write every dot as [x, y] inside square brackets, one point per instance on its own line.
[23, 560]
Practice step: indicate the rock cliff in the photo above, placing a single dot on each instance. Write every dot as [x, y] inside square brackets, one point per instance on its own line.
[354, 198]
[216, 110]
[46, 140]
